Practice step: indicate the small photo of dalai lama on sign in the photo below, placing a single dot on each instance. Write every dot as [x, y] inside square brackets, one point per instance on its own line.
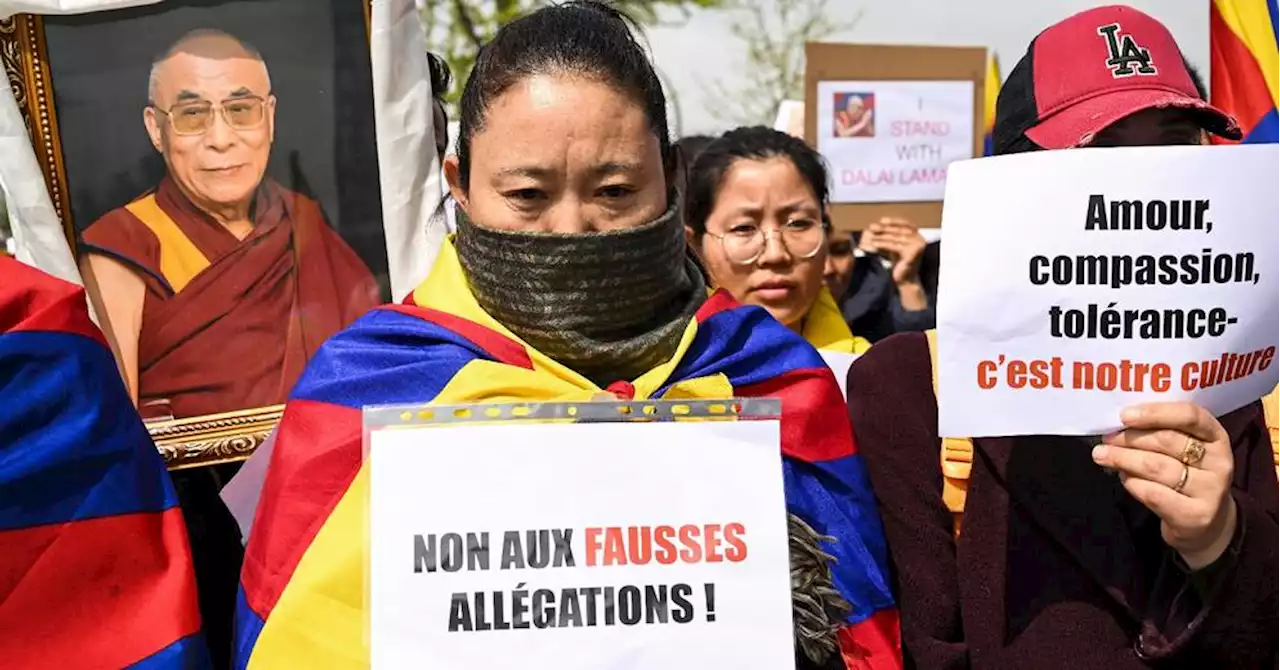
[855, 115]
[217, 282]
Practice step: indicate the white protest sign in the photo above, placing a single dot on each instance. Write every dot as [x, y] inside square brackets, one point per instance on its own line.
[790, 119]
[598, 545]
[891, 141]
[1076, 283]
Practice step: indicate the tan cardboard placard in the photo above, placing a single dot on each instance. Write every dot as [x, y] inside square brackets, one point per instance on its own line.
[868, 62]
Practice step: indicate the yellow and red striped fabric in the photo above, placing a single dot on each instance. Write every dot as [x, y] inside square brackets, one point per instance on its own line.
[991, 94]
[302, 602]
[1242, 58]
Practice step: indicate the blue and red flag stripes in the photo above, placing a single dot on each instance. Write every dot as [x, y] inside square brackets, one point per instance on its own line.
[95, 569]
[415, 354]
[389, 356]
[827, 483]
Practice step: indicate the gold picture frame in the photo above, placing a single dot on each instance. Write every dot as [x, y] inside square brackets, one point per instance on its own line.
[184, 443]
[213, 439]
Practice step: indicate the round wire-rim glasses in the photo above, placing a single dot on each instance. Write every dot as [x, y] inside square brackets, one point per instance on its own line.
[802, 238]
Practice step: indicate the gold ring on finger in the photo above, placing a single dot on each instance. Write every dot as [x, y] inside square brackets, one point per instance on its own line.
[1182, 481]
[1193, 453]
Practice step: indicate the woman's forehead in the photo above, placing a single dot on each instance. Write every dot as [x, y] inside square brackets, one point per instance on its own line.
[759, 178]
[547, 122]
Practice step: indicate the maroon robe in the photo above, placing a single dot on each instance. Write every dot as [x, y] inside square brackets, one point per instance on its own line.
[240, 332]
[1057, 566]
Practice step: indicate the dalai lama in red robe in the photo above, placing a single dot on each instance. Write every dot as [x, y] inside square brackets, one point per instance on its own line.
[216, 287]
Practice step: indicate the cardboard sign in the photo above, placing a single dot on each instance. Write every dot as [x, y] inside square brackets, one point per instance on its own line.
[1080, 282]
[877, 64]
[891, 141]
[601, 545]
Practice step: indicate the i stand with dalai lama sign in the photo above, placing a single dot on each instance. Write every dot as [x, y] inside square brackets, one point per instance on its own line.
[591, 536]
[888, 120]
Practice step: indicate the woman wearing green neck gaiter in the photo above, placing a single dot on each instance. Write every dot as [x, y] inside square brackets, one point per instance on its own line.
[567, 279]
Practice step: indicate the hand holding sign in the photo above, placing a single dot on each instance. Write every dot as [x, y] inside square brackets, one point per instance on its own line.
[1176, 459]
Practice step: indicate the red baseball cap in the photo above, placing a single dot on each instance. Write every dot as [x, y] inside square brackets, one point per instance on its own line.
[1091, 70]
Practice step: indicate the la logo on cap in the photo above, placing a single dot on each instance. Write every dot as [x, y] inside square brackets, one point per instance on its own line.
[1126, 58]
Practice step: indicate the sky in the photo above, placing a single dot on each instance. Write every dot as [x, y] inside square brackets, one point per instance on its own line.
[703, 50]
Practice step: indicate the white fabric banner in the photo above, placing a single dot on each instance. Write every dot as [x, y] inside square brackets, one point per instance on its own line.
[1080, 282]
[37, 231]
[576, 546]
[243, 492]
[891, 141]
[408, 168]
[10, 7]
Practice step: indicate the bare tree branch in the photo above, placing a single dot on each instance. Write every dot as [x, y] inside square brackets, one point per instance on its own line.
[465, 24]
[456, 29]
[774, 33]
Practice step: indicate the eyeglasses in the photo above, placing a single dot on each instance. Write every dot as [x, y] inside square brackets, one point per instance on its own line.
[745, 244]
[195, 118]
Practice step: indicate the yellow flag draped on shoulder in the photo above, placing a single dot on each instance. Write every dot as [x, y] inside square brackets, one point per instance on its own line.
[825, 327]
[302, 602]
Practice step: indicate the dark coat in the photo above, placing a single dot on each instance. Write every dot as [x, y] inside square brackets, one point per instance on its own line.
[871, 305]
[1057, 566]
[216, 554]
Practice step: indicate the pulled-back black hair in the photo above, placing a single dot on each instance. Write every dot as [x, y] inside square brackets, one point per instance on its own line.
[686, 150]
[690, 146]
[706, 176]
[583, 38]
[441, 76]
[1196, 79]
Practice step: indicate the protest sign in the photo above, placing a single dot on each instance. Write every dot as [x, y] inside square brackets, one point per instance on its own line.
[891, 141]
[790, 119]
[1079, 282]
[877, 64]
[587, 545]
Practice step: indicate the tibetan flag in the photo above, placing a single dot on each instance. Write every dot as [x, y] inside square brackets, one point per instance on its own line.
[95, 570]
[991, 90]
[301, 603]
[1243, 64]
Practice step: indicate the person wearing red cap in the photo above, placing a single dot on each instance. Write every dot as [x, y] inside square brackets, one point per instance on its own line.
[1059, 562]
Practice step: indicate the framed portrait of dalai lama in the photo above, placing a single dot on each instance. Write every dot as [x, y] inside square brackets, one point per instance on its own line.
[215, 166]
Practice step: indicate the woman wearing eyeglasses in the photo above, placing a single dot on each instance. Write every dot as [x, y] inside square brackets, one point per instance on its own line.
[754, 214]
